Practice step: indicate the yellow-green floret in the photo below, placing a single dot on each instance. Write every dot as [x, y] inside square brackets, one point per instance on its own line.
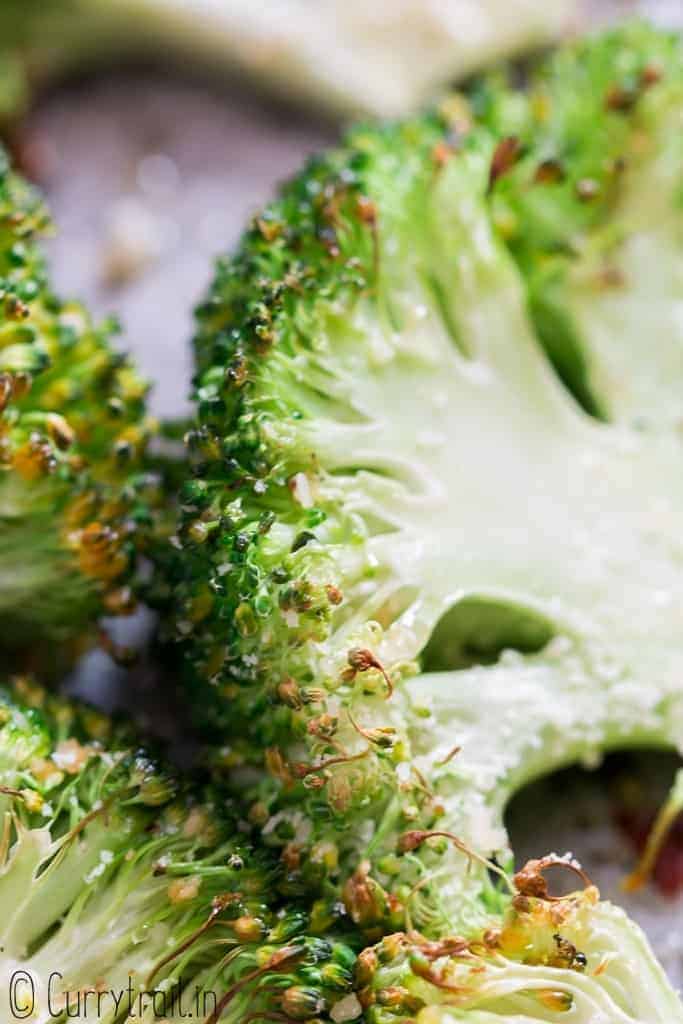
[74, 494]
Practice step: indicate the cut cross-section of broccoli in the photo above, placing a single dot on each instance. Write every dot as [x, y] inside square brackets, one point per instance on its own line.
[573, 958]
[391, 484]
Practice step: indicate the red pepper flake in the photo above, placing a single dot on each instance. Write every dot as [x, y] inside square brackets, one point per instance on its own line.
[367, 210]
[506, 155]
[549, 172]
[650, 75]
[441, 153]
[621, 99]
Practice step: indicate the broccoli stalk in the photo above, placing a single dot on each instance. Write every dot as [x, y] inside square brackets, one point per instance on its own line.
[119, 881]
[74, 495]
[392, 488]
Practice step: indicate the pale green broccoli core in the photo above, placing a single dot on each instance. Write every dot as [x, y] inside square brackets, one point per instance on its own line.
[482, 479]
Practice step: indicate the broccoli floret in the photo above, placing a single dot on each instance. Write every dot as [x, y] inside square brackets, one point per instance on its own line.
[33, 44]
[75, 497]
[573, 958]
[599, 243]
[119, 880]
[412, 572]
[385, 59]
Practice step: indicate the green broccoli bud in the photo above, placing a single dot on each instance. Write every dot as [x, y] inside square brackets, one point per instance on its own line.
[387, 472]
[74, 494]
[118, 881]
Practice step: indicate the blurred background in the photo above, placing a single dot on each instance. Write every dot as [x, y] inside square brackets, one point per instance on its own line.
[156, 128]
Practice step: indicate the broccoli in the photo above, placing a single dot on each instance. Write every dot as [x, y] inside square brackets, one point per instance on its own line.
[599, 245]
[419, 563]
[384, 59]
[122, 883]
[572, 958]
[75, 496]
[34, 45]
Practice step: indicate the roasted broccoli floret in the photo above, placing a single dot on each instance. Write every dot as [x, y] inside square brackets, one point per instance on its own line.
[413, 571]
[386, 58]
[74, 494]
[600, 244]
[573, 958]
[120, 882]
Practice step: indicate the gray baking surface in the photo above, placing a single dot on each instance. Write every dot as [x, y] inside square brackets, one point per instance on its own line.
[149, 175]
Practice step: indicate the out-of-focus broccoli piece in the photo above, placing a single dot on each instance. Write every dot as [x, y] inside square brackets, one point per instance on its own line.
[594, 219]
[120, 882]
[74, 495]
[412, 573]
[385, 58]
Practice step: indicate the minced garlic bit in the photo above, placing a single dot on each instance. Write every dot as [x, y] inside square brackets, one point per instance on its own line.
[347, 1008]
[182, 890]
[46, 772]
[196, 824]
[71, 756]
